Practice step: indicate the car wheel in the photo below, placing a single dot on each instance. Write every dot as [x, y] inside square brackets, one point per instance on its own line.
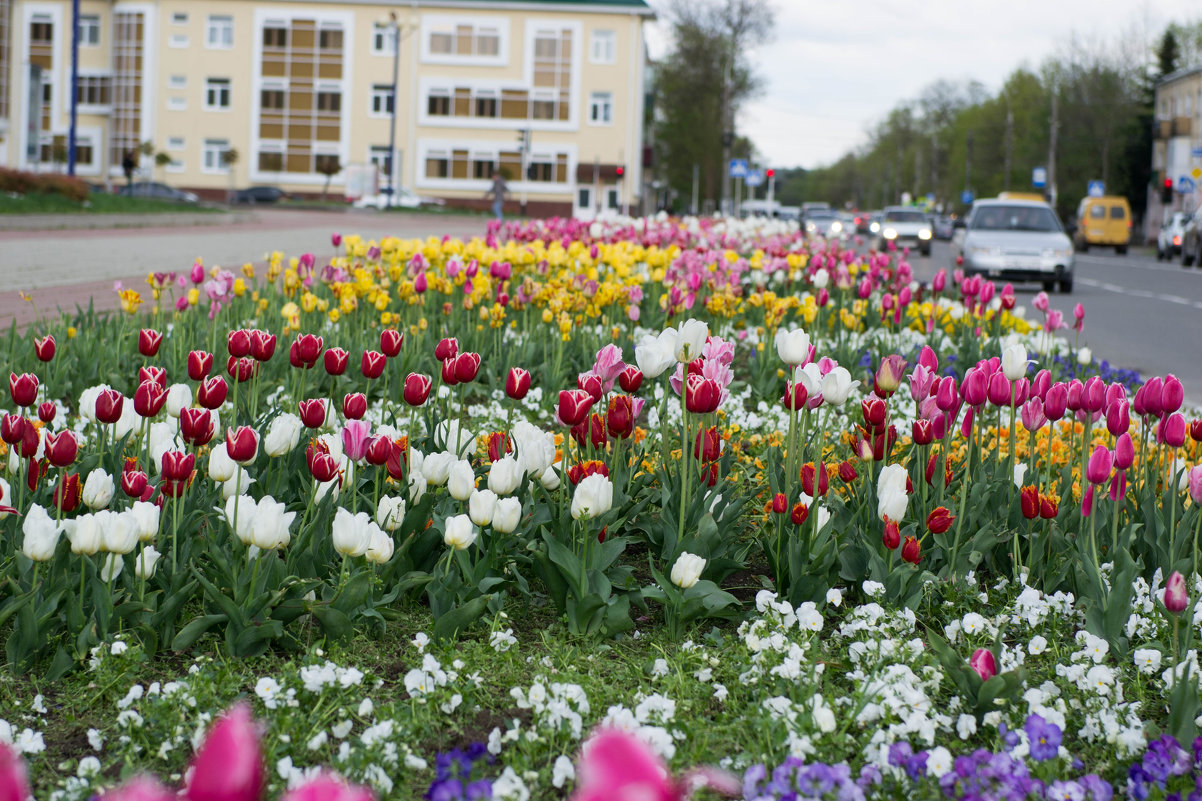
[1186, 259]
[1066, 286]
[1159, 254]
[1049, 286]
[1084, 246]
[926, 251]
[1120, 250]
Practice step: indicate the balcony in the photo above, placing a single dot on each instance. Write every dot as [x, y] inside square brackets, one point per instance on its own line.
[1161, 129]
[1182, 126]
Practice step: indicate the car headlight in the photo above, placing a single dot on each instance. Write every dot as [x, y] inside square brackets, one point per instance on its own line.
[924, 233]
[836, 226]
[810, 227]
[874, 227]
[1057, 253]
[978, 251]
[890, 233]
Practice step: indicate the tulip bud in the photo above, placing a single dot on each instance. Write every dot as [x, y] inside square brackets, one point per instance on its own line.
[149, 341]
[946, 398]
[597, 432]
[780, 504]
[312, 412]
[242, 444]
[378, 451]
[701, 395]
[1049, 507]
[814, 481]
[1055, 404]
[467, 365]
[1172, 394]
[200, 363]
[229, 764]
[630, 379]
[391, 341]
[1124, 452]
[591, 383]
[133, 483]
[61, 448]
[196, 426]
[23, 388]
[354, 406]
[940, 520]
[874, 410]
[847, 472]
[620, 418]
[149, 399]
[1100, 462]
[12, 428]
[67, 493]
[911, 551]
[417, 389]
[1174, 430]
[922, 432]
[44, 348]
[241, 370]
[372, 364]
[262, 345]
[47, 412]
[238, 343]
[892, 536]
[983, 663]
[308, 349]
[178, 465]
[795, 395]
[1195, 430]
[574, 406]
[975, 389]
[446, 349]
[336, 360]
[210, 394]
[1152, 391]
[1029, 500]
[999, 390]
[1176, 595]
[889, 375]
[517, 383]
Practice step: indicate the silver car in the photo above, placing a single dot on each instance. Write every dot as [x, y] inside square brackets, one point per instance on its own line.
[1016, 240]
[905, 227]
[824, 223]
[1172, 233]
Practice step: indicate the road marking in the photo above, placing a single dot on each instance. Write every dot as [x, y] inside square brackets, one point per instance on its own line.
[1139, 264]
[1139, 293]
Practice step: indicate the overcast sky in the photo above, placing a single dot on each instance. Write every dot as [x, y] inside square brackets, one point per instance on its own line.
[835, 67]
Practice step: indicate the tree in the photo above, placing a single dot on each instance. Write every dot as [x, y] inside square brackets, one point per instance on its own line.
[229, 157]
[161, 159]
[1168, 53]
[329, 167]
[704, 80]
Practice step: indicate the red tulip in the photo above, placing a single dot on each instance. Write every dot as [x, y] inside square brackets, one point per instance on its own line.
[397, 460]
[911, 551]
[321, 464]
[799, 514]
[1029, 498]
[44, 348]
[372, 364]
[149, 398]
[14, 785]
[152, 373]
[808, 474]
[923, 432]
[313, 412]
[498, 445]
[448, 372]
[1195, 430]
[391, 341]
[308, 348]
[1055, 404]
[336, 360]
[200, 364]
[1049, 507]
[592, 384]
[262, 345]
[61, 448]
[354, 406]
[795, 395]
[701, 395]
[12, 428]
[983, 663]
[133, 483]
[574, 406]
[517, 383]
[212, 392]
[446, 349]
[178, 465]
[23, 388]
[847, 472]
[196, 426]
[620, 417]
[780, 504]
[630, 379]
[417, 388]
[242, 444]
[892, 536]
[238, 343]
[67, 493]
[940, 520]
[875, 410]
[378, 450]
[597, 432]
[242, 370]
[46, 411]
[149, 341]
[1176, 594]
[30, 440]
[229, 764]
[467, 366]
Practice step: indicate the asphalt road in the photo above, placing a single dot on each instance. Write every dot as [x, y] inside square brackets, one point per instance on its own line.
[1140, 314]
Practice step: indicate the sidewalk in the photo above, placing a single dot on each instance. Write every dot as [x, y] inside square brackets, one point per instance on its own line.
[28, 223]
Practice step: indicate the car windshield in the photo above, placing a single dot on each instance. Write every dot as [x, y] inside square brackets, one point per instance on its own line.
[1014, 218]
[821, 214]
[905, 216]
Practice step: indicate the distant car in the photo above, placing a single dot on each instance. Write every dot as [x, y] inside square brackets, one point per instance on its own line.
[942, 228]
[1172, 233]
[254, 195]
[1015, 240]
[402, 199]
[824, 223]
[157, 191]
[906, 227]
[1191, 240]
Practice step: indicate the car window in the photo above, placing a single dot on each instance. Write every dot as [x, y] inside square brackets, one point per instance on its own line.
[902, 215]
[1097, 212]
[1014, 218]
[1118, 213]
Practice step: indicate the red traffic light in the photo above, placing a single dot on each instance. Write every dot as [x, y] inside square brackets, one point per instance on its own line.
[771, 173]
[621, 171]
[1168, 183]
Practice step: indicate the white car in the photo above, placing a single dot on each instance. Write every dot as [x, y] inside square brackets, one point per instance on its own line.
[402, 199]
[1168, 241]
[906, 227]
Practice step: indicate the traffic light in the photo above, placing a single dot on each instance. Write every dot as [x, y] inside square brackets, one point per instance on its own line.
[1166, 190]
[524, 139]
[621, 171]
[770, 173]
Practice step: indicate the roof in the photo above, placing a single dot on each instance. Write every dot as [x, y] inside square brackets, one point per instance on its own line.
[1173, 77]
[582, 5]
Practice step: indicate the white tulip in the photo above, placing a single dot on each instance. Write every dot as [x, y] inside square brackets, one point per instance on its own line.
[128, 422]
[112, 567]
[535, 448]
[458, 439]
[459, 532]
[41, 535]
[416, 460]
[504, 475]
[690, 339]
[652, 357]
[331, 487]
[86, 535]
[145, 517]
[221, 466]
[98, 489]
[390, 513]
[240, 514]
[481, 506]
[269, 529]
[594, 497]
[1020, 472]
[417, 487]
[687, 570]
[87, 401]
[437, 467]
[352, 533]
[239, 484]
[1085, 357]
[118, 531]
[461, 480]
[1014, 361]
[14, 462]
[809, 377]
[837, 386]
[507, 515]
[179, 397]
[162, 439]
[821, 278]
[891, 493]
[282, 435]
[380, 549]
[550, 479]
[145, 562]
[792, 346]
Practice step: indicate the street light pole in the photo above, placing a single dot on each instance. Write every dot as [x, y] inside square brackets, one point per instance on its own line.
[71, 153]
[396, 62]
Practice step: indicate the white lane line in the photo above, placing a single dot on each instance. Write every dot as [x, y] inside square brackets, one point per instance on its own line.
[1140, 293]
[1141, 265]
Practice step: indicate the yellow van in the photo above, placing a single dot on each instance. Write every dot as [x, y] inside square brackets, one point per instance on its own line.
[1103, 221]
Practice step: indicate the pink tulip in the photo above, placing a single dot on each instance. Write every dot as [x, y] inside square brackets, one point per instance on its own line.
[1118, 485]
[1172, 394]
[229, 764]
[999, 390]
[198, 273]
[1055, 402]
[939, 282]
[1195, 484]
[14, 786]
[1041, 301]
[1054, 322]
[983, 663]
[1118, 418]
[1100, 462]
[975, 389]
[1078, 318]
[1032, 415]
[326, 787]
[1093, 395]
[1124, 452]
[1172, 430]
[1176, 596]
[1152, 390]
[617, 766]
[355, 439]
[140, 788]
[1087, 501]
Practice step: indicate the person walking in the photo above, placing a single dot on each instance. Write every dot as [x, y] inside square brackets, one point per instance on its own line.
[497, 193]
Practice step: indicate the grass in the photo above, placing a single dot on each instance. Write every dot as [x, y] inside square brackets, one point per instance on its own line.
[97, 203]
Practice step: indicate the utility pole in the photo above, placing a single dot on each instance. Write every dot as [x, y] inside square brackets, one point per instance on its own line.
[917, 172]
[71, 150]
[968, 163]
[396, 61]
[524, 149]
[1052, 134]
[728, 135]
[696, 188]
[1009, 144]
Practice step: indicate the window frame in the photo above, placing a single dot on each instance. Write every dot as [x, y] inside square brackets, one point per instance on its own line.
[89, 23]
[216, 84]
[601, 101]
[384, 39]
[384, 93]
[217, 147]
[608, 40]
[221, 23]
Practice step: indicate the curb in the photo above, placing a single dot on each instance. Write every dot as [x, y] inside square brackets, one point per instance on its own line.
[63, 222]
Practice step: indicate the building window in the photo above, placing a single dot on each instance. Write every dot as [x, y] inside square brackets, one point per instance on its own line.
[329, 101]
[604, 47]
[178, 82]
[177, 104]
[437, 165]
[330, 39]
[442, 42]
[542, 109]
[540, 171]
[486, 106]
[271, 161]
[326, 162]
[83, 151]
[93, 90]
[271, 99]
[439, 104]
[41, 31]
[275, 36]
[179, 18]
[488, 42]
[600, 108]
[220, 31]
[381, 98]
[614, 201]
[383, 39]
[217, 93]
[381, 156]
[465, 40]
[89, 30]
[178, 40]
[483, 168]
[175, 143]
[214, 155]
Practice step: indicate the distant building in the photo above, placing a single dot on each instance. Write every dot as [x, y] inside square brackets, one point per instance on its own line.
[300, 88]
[1177, 134]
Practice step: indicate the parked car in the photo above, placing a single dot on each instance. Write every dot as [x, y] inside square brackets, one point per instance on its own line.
[1015, 240]
[1191, 240]
[1104, 221]
[1168, 241]
[260, 194]
[402, 199]
[905, 226]
[157, 191]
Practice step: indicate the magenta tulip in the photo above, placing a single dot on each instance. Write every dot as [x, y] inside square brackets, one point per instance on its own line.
[1172, 394]
[1176, 596]
[1118, 418]
[1124, 452]
[14, 786]
[229, 764]
[326, 787]
[983, 663]
[355, 439]
[618, 765]
[139, 788]
[1055, 403]
[1100, 462]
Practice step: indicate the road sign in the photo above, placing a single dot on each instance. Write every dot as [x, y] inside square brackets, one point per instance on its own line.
[966, 197]
[1097, 188]
[1196, 152]
[753, 178]
[1196, 173]
[1186, 185]
[1039, 177]
[738, 168]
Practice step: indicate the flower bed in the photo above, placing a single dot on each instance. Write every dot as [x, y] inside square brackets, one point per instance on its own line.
[946, 526]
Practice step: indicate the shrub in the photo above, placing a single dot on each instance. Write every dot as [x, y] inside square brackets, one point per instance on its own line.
[26, 183]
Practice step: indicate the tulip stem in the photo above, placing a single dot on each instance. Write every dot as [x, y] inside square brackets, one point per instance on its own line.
[1013, 453]
[685, 446]
[964, 479]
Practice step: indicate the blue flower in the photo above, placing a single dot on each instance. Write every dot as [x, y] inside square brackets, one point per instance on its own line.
[1066, 791]
[1044, 738]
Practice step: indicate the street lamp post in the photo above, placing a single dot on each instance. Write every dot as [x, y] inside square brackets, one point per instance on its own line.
[396, 62]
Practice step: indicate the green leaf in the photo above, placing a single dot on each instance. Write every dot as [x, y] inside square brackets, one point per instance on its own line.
[192, 632]
[460, 618]
[334, 622]
[253, 640]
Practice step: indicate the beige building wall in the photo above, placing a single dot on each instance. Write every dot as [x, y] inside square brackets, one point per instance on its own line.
[292, 86]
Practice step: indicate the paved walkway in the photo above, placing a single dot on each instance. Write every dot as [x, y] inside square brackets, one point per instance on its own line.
[65, 268]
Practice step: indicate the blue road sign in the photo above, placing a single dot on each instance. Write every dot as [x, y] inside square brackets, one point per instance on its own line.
[1196, 153]
[1039, 177]
[1097, 188]
[966, 197]
[754, 177]
[738, 168]
[1186, 185]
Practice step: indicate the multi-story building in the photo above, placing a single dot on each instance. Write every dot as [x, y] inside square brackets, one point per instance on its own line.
[1177, 144]
[301, 90]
